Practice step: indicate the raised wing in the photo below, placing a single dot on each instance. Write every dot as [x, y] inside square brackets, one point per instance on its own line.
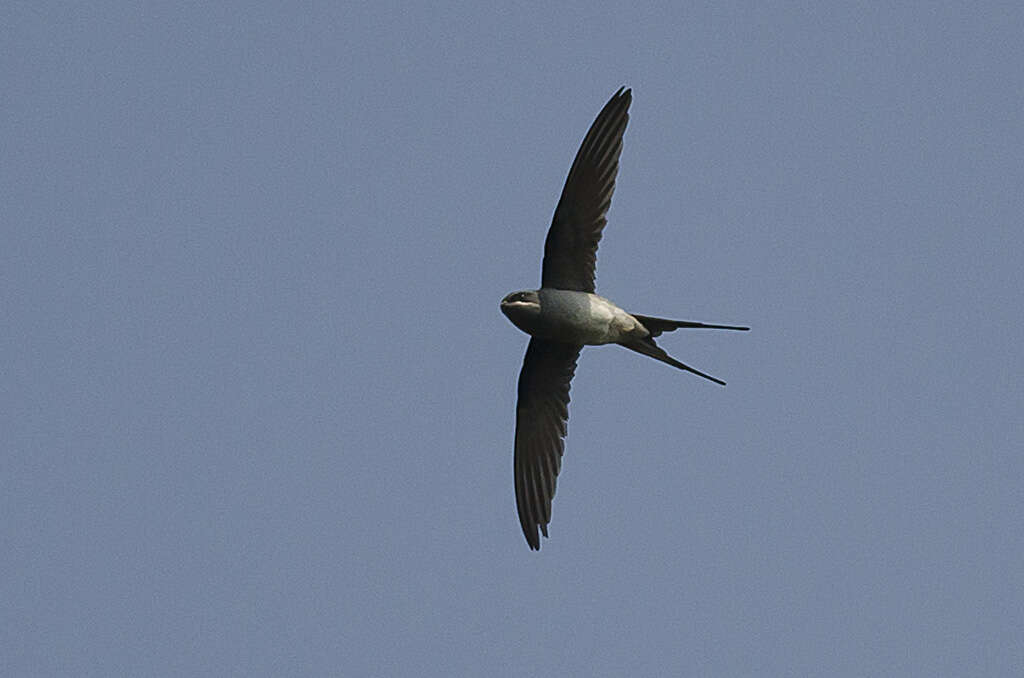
[570, 251]
[541, 415]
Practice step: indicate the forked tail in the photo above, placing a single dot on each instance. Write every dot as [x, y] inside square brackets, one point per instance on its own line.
[658, 325]
[649, 348]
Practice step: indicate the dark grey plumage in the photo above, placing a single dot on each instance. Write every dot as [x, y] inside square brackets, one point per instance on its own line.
[570, 256]
[565, 314]
[541, 415]
[570, 250]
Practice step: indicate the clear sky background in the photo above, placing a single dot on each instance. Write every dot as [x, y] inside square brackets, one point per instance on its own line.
[257, 396]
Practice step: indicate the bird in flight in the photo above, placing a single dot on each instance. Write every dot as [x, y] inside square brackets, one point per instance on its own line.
[564, 315]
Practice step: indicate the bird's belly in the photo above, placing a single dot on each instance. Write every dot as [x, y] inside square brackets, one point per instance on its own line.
[581, 318]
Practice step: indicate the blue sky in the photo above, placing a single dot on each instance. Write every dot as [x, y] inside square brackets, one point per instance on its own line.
[258, 397]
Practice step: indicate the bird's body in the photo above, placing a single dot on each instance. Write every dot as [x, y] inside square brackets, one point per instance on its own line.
[565, 314]
[573, 317]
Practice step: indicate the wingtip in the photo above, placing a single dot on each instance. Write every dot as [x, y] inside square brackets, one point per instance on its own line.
[533, 535]
[621, 100]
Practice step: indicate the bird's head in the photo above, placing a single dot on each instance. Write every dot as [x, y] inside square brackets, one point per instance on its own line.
[521, 307]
